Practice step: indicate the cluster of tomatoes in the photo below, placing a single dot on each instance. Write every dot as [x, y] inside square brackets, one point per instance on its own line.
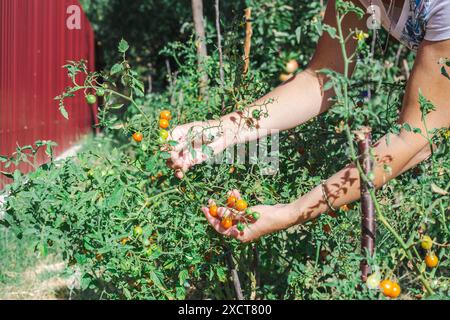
[236, 209]
[431, 260]
[148, 244]
[289, 69]
[391, 288]
[164, 122]
[100, 92]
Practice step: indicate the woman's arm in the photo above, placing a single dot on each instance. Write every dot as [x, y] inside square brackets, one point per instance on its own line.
[301, 98]
[403, 151]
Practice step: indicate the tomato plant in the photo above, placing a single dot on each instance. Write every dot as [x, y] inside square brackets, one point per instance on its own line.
[130, 229]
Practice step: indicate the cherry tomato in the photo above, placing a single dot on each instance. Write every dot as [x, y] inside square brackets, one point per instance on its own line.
[396, 290]
[165, 114]
[240, 226]
[285, 77]
[291, 66]
[231, 201]
[227, 223]
[137, 231]
[91, 99]
[373, 281]
[426, 243]
[240, 205]
[256, 114]
[431, 260]
[386, 287]
[213, 210]
[124, 241]
[256, 215]
[345, 208]
[163, 123]
[163, 134]
[137, 136]
[100, 92]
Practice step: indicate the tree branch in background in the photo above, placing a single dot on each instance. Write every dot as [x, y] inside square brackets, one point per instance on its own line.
[219, 47]
[248, 39]
[199, 26]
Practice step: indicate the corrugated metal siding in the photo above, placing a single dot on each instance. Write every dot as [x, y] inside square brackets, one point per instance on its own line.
[34, 43]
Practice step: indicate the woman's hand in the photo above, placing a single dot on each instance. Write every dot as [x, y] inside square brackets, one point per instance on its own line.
[271, 219]
[191, 139]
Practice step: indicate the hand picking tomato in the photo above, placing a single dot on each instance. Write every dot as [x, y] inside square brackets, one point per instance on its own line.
[431, 260]
[213, 210]
[227, 222]
[426, 243]
[137, 136]
[240, 205]
[231, 201]
[163, 124]
[165, 114]
[91, 99]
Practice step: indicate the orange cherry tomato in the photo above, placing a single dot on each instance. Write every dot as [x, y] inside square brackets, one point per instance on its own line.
[231, 201]
[396, 290]
[163, 123]
[241, 205]
[345, 208]
[227, 223]
[165, 114]
[431, 260]
[213, 210]
[386, 287]
[137, 136]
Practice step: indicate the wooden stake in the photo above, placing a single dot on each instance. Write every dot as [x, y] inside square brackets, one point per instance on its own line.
[219, 47]
[199, 26]
[248, 39]
[368, 223]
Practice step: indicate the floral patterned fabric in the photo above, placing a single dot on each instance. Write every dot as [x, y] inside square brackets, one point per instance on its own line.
[419, 20]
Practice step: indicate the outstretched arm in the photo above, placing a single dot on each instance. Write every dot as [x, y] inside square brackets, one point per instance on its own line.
[301, 97]
[403, 151]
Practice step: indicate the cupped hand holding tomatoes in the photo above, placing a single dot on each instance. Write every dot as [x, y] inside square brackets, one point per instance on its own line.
[263, 219]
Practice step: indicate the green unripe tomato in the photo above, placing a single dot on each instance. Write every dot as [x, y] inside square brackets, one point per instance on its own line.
[426, 243]
[256, 215]
[137, 231]
[256, 114]
[240, 226]
[91, 99]
[373, 281]
[100, 92]
[163, 134]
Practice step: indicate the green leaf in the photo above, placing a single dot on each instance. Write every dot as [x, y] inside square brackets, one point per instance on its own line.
[123, 46]
[117, 68]
[64, 112]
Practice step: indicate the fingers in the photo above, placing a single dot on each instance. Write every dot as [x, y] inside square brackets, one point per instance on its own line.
[215, 223]
[235, 193]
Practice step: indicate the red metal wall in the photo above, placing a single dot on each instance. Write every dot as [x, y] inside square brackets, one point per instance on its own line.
[34, 43]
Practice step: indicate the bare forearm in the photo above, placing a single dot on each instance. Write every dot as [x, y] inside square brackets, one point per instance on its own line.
[287, 106]
[344, 186]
